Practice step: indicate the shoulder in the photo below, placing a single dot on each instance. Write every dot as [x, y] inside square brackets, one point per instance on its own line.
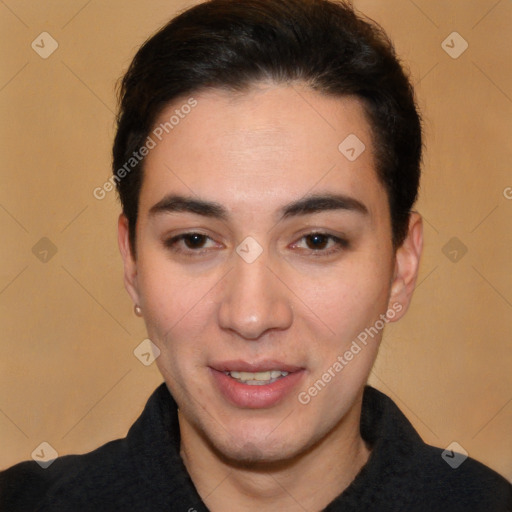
[125, 474]
[116, 476]
[415, 476]
[27, 486]
[460, 483]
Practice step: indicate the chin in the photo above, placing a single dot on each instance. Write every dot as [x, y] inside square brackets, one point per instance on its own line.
[261, 447]
[251, 454]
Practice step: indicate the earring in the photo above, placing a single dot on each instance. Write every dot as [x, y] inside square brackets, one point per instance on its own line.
[137, 310]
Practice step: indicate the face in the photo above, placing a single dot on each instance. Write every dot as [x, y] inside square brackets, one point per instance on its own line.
[264, 257]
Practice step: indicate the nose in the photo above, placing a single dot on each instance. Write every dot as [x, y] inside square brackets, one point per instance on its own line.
[254, 300]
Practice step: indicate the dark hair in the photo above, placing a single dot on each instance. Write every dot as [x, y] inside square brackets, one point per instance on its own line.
[231, 44]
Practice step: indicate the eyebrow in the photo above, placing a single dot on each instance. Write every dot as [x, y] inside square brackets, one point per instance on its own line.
[307, 205]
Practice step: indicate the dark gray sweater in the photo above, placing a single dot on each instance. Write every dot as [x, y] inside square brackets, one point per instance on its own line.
[144, 472]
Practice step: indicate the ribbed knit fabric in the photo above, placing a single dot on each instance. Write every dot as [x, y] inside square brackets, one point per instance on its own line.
[144, 472]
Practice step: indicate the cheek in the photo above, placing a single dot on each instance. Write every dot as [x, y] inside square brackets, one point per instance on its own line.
[176, 317]
[176, 305]
[351, 304]
[350, 298]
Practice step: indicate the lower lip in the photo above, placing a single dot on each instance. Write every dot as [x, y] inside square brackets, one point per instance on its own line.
[256, 397]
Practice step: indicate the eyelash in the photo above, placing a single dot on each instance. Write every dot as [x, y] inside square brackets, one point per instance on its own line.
[340, 243]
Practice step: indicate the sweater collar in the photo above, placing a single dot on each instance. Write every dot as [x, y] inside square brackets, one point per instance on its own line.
[154, 445]
[393, 442]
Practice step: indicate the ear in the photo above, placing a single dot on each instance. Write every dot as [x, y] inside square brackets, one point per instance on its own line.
[407, 261]
[130, 265]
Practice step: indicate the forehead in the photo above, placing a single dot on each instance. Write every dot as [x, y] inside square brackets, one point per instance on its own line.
[261, 148]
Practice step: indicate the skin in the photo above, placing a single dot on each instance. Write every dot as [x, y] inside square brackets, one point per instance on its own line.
[253, 153]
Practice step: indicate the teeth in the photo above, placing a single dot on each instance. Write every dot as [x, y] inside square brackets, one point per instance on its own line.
[257, 378]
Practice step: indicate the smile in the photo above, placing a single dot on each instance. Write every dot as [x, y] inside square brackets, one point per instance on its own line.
[256, 385]
[257, 378]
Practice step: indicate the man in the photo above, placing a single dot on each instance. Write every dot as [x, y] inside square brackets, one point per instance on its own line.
[267, 159]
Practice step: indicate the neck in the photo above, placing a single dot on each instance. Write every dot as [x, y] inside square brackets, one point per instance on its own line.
[309, 481]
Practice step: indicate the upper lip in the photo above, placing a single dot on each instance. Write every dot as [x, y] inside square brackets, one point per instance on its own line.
[253, 367]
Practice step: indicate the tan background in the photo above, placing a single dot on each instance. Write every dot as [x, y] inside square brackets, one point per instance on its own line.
[68, 375]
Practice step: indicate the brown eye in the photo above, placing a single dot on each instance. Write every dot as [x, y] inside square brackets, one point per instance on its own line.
[317, 241]
[194, 240]
[321, 244]
[191, 244]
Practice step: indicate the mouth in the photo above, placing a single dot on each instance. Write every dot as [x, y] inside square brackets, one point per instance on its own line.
[257, 378]
[256, 385]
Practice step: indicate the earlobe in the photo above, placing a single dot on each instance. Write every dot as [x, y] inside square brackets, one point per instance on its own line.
[129, 263]
[407, 260]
